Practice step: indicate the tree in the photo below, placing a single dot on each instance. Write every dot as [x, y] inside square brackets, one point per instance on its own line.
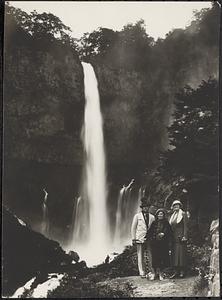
[194, 141]
[98, 42]
[129, 48]
[42, 26]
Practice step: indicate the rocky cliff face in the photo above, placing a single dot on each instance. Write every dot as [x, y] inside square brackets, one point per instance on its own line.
[43, 115]
[133, 132]
[43, 99]
[120, 93]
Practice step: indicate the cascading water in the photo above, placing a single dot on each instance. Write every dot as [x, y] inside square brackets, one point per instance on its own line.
[75, 228]
[91, 229]
[91, 234]
[117, 234]
[127, 206]
[45, 219]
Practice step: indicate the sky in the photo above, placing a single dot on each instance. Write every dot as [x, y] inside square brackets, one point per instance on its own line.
[86, 16]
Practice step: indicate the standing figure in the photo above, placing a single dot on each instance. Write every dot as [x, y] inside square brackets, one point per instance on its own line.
[160, 234]
[178, 222]
[139, 231]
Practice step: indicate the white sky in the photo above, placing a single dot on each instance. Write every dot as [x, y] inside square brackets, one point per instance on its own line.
[86, 16]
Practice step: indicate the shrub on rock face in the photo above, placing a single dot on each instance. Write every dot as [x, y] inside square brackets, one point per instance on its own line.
[124, 264]
[90, 287]
[199, 258]
[207, 262]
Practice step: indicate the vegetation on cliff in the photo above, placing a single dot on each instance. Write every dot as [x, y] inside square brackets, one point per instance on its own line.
[139, 78]
[189, 169]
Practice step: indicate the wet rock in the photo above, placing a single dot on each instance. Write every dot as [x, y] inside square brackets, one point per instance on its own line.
[74, 255]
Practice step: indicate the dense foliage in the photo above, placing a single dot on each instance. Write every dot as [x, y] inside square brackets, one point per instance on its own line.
[189, 169]
[41, 26]
[152, 72]
[133, 49]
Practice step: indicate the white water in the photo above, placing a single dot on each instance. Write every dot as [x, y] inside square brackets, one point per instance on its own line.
[41, 290]
[91, 228]
[45, 217]
[127, 206]
[91, 235]
[19, 292]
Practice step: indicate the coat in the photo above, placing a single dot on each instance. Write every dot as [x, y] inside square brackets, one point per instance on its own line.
[179, 249]
[139, 227]
[160, 246]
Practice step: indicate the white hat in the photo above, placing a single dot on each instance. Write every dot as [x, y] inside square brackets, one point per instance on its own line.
[176, 202]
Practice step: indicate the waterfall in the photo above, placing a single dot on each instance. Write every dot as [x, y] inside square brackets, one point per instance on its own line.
[45, 217]
[90, 228]
[91, 233]
[127, 206]
[117, 234]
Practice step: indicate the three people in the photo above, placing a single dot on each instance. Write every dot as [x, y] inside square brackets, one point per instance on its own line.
[157, 236]
[139, 231]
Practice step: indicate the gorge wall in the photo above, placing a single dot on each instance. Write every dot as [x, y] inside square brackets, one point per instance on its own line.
[43, 113]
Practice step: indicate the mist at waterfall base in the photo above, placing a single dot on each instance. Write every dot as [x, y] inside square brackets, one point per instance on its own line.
[92, 235]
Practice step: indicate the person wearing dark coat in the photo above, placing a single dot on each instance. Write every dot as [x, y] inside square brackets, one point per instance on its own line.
[160, 234]
[178, 222]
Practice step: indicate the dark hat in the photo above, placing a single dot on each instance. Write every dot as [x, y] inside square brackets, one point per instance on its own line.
[144, 202]
[159, 210]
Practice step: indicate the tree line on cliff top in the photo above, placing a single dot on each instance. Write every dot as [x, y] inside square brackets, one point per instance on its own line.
[132, 47]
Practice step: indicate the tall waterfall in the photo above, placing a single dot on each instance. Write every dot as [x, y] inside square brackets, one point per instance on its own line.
[91, 233]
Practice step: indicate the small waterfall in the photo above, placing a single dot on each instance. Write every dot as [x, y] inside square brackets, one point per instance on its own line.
[45, 215]
[91, 226]
[117, 234]
[126, 208]
[79, 226]
[140, 195]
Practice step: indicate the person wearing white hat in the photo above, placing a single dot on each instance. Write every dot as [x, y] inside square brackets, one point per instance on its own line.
[139, 231]
[178, 222]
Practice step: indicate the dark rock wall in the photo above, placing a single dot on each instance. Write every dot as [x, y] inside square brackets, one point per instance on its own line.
[26, 253]
[43, 116]
[43, 100]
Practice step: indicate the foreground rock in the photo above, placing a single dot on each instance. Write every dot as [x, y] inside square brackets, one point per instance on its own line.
[28, 254]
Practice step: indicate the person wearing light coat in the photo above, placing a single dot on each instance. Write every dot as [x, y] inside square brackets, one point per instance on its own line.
[178, 222]
[139, 232]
